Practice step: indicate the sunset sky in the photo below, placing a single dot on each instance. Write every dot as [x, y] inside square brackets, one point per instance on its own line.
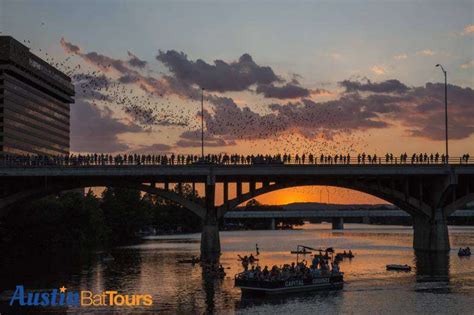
[285, 76]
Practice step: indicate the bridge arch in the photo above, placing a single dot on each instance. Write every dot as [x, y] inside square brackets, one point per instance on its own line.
[39, 192]
[411, 205]
[459, 203]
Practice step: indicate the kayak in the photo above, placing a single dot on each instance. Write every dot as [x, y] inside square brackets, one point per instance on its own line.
[399, 267]
[342, 255]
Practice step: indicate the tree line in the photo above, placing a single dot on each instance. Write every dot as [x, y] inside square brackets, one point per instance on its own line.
[74, 220]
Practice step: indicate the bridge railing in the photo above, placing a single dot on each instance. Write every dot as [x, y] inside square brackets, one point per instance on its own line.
[180, 160]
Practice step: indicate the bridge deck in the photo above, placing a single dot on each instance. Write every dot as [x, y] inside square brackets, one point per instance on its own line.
[220, 171]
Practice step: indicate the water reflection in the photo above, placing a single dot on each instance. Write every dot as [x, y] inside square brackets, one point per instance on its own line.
[439, 281]
[209, 284]
[432, 266]
[248, 301]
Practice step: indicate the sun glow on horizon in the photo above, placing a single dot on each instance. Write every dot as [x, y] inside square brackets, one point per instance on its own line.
[322, 194]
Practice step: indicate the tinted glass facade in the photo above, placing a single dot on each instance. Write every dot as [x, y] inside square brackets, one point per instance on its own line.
[34, 103]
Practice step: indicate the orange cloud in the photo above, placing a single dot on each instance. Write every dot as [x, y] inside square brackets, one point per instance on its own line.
[468, 30]
[378, 70]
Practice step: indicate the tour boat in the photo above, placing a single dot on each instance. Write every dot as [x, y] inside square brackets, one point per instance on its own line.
[399, 267]
[324, 282]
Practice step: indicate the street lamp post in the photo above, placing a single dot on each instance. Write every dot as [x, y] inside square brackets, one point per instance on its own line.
[202, 124]
[445, 107]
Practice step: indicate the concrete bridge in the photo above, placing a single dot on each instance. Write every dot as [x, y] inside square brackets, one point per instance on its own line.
[429, 193]
[337, 216]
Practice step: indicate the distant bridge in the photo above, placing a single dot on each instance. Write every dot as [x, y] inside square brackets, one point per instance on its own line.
[329, 214]
[427, 192]
[337, 216]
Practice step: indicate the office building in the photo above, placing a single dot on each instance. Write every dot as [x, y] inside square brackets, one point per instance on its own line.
[34, 103]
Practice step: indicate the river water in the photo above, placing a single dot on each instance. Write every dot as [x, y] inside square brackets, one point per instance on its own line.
[438, 284]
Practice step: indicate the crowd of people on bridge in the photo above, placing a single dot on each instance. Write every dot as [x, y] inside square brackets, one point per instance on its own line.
[320, 266]
[225, 159]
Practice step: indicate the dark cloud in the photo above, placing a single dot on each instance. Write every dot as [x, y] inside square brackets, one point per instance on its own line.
[159, 148]
[128, 78]
[423, 112]
[96, 82]
[192, 139]
[208, 143]
[388, 86]
[105, 62]
[91, 87]
[156, 86]
[95, 130]
[69, 47]
[286, 91]
[220, 76]
[136, 62]
[419, 110]
[365, 105]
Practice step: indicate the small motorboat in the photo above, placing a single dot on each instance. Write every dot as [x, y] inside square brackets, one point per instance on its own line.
[464, 252]
[399, 267]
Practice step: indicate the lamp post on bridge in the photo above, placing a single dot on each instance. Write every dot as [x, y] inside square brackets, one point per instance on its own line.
[202, 124]
[445, 107]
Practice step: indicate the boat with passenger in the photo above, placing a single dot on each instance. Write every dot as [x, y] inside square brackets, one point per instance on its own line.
[301, 250]
[322, 274]
[341, 256]
[464, 252]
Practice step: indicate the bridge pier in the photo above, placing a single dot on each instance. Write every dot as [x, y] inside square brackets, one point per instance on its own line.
[431, 234]
[210, 240]
[338, 223]
[272, 224]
